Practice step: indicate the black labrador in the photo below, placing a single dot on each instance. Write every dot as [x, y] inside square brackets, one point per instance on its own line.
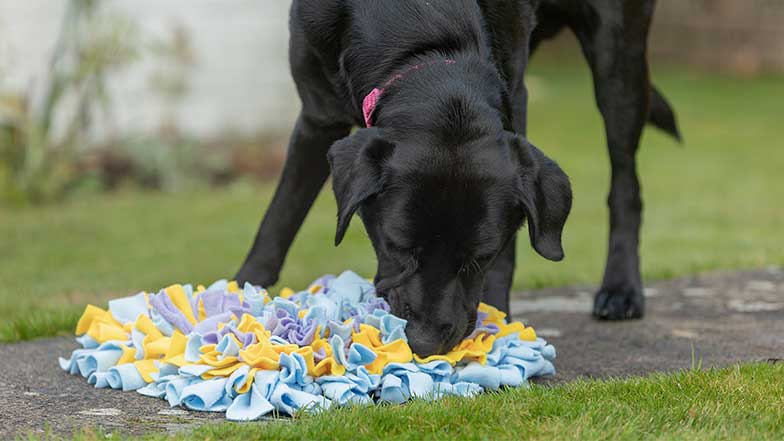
[440, 171]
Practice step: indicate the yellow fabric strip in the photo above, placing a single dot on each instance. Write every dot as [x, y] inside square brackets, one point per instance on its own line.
[177, 360]
[90, 314]
[528, 334]
[493, 315]
[248, 382]
[307, 353]
[147, 327]
[176, 347]
[397, 351]
[103, 332]
[223, 372]
[177, 295]
[145, 368]
[128, 355]
[475, 349]
[155, 348]
[328, 366]
[213, 359]
[248, 323]
[257, 356]
[202, 311]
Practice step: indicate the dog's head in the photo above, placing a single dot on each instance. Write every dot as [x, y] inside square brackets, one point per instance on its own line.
[438, 217]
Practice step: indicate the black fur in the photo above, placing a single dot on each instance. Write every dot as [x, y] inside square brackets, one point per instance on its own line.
[446, 177]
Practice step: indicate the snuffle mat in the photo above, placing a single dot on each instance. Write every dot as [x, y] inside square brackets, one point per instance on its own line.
[237, 350]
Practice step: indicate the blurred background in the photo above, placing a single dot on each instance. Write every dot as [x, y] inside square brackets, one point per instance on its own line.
[140, 141]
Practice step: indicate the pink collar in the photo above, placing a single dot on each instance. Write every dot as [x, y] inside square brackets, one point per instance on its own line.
[371, 100]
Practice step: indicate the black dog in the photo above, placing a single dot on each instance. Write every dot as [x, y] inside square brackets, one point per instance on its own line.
[441, 174]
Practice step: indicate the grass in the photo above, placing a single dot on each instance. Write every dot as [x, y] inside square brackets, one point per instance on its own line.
[739, 403]
[710, 204]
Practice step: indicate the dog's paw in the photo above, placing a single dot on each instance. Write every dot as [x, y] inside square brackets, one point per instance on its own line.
[618, 305]
[254, 277]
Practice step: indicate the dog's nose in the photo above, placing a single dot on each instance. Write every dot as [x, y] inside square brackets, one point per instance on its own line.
[424, 347]
[433, 343]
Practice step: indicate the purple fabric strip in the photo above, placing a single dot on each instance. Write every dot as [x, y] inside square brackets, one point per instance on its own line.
[165, 307]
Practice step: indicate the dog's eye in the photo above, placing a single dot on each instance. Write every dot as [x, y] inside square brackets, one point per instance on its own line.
[396, 247]
[406, 257]
[403, 248]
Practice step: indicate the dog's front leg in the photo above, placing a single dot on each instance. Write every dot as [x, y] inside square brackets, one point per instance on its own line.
[304, 173]
[498, 281]
[499, 278]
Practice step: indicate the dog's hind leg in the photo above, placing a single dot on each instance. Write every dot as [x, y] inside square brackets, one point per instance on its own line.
[615, 46]
[304, 173]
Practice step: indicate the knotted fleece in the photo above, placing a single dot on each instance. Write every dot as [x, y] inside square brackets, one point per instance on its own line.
[236, 350]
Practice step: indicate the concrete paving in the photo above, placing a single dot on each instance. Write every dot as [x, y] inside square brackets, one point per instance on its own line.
[718, 318]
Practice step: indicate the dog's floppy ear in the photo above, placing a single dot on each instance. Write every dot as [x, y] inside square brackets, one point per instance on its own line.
[545, 195]
[357, 172]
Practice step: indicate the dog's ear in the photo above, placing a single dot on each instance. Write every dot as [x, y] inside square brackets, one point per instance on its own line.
[357, 172]
[545, 196]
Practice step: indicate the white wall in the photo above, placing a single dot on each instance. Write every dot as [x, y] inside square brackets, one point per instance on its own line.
[240, 82]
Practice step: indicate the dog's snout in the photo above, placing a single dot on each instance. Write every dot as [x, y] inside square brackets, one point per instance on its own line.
[447, 330]
[425, 347]
[439, 312]
[436, 339]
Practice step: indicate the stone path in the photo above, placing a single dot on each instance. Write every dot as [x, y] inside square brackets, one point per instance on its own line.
[719, 318]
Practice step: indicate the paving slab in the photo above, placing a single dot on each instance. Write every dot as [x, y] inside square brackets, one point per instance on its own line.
[717, 318]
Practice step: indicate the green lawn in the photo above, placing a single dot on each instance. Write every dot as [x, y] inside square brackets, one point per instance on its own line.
[714, 202]
[739, 403]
